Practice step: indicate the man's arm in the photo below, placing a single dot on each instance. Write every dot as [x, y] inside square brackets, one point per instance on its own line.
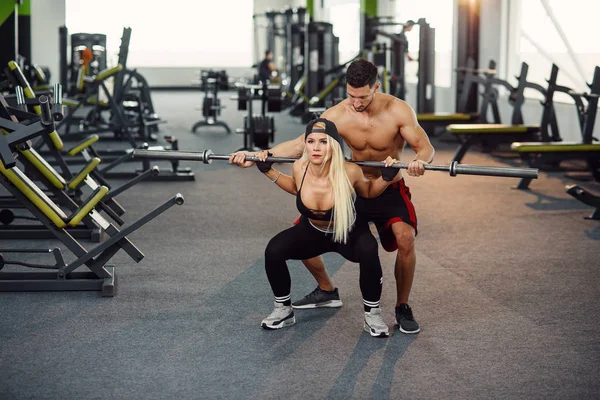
[372, 188]
[416, 138]
[292, 148]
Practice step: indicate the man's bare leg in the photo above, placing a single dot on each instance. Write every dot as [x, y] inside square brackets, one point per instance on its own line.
[406, 260]
[404, 272]
[316, 267]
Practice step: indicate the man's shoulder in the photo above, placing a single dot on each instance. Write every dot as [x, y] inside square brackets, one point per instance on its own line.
[390, 98]
[335, 112]
[396, 104]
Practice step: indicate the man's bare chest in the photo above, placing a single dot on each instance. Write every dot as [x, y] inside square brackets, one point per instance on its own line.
[371, 134]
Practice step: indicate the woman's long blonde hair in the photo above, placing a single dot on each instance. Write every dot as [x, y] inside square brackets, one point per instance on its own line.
[343, 192]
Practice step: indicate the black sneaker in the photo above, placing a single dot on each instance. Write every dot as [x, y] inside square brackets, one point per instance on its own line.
[319, 298]
[405, 319]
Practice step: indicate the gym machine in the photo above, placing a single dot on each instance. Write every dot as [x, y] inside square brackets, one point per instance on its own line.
[490, 136]
[384, 55]
[467, 50]
[550, 151]
[295, 47]
[336, 90]
[468, 79]
[259, 130]
[83, 152]
[210, 82]
[131, 92]
[19, 146]
[322, 81]
[66, 189]
[287, 26]
[100, 275]
[322, 48]
[394, 76]
[426, 72]
[96, 42]
[586, 198]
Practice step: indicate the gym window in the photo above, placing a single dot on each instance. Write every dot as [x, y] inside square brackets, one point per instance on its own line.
[344, 15]
[558, 32]
[172, 34]
[440, 15]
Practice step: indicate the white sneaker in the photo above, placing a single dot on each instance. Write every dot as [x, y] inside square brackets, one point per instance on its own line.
[374, 324]
[281, 317]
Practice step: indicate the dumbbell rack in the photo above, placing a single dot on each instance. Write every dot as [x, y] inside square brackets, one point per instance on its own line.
[246, 95]
[211, 105]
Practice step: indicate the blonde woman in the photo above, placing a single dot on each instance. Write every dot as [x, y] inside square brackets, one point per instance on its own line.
[325, 186]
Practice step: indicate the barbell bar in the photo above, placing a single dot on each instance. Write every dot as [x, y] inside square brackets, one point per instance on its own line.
[207, 156]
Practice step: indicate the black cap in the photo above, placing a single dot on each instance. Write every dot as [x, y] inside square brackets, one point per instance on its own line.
[330, 129]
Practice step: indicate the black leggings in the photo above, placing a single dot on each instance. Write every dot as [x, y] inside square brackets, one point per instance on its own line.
[303, 241]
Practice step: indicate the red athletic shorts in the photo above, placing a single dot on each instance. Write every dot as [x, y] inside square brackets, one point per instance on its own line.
[392, 206]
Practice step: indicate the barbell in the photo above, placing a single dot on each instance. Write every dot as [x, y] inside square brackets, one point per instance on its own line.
[207, 156]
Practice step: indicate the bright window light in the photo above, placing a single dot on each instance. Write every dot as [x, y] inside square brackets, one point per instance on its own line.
[541, 43]
[440, 15]
[346, 21]
[183, 33]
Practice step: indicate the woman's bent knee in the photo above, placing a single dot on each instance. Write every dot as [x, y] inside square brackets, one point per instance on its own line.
[275, 250]
[367, 248]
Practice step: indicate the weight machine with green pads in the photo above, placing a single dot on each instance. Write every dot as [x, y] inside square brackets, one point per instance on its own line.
[101, 275]
[543, 153]
[491, 135]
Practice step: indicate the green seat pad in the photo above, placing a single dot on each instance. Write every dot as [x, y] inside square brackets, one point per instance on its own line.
[553, 147]
[484, 129]
[446, 117]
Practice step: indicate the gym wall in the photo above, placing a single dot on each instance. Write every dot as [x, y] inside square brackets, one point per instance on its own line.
[46, 17]
[7, 30]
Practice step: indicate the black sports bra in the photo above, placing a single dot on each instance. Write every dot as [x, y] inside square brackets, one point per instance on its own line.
[321, 215]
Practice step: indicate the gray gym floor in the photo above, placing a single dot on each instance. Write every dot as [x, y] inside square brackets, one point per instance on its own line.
[506, 292]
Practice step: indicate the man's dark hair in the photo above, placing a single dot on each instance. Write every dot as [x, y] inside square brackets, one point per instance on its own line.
[361, 73]
[267, 52]
[410, 22]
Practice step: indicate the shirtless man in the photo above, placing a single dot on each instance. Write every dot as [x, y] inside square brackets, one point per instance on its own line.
[374, 126]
